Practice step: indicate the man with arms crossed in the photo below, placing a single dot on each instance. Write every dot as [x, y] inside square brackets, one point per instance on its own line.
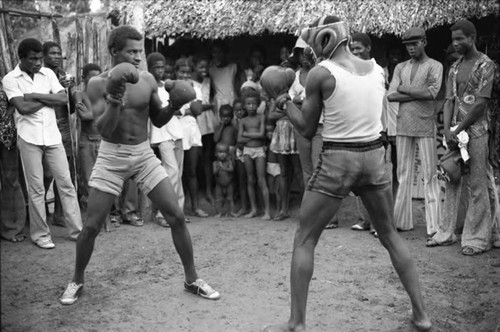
[35, 91]
[352, 160]
[415, 85]
[121, 111]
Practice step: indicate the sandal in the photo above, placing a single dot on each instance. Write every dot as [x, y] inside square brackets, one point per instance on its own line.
[200, 213]
[134, 220]
[360, 227]
[332, 225]
[471, 251]
[431, 242]
[115, 220]
[162, 222]
[17, 238]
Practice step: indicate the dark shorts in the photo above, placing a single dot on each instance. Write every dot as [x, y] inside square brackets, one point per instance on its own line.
[116, 163]
[345, 167]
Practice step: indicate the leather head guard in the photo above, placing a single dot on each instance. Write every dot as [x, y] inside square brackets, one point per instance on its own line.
[324, 39]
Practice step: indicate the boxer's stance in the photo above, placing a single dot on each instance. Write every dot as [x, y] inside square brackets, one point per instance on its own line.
[122, 101]
[349, 92]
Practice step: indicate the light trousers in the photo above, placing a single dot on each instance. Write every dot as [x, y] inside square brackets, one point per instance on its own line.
[405, 146]
[54, 156]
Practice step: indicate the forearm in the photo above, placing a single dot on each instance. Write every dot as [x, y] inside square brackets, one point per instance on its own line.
[57, 99]
[472, 116]
[416, 93]
[297, 119]
[30, 107]
[399, 97]
[206, 107]
[164, 116]
[447, 114]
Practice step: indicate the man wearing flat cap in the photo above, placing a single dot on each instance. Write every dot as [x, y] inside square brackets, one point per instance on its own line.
[415, 85]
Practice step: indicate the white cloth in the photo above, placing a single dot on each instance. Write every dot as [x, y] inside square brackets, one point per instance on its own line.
[39, 128]
[191, 131]
[206, 120]
[463, 140]
[172, 130]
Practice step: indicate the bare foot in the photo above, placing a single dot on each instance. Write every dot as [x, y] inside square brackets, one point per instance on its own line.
[218, 215]
[266, 217]
[422, 324]
[240, 212]
[235, 214]
[252, 214]
[282, 328]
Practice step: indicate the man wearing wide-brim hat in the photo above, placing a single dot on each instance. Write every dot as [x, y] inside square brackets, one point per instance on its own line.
[415, 85]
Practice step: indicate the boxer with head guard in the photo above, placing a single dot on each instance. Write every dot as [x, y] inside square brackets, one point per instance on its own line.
[324, 36]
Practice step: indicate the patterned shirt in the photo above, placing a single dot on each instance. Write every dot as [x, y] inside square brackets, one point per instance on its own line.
[479, 85]
[7, 126]
[417, 118]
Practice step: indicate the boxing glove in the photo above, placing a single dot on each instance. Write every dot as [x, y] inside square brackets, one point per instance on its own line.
[118, 76]
[181, 92]
[276, 80]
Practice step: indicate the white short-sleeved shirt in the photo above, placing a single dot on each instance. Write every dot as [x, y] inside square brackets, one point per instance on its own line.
[39, 128]
[172, 130]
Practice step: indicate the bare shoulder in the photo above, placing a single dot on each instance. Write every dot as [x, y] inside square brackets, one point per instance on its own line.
[149, 78]
[96, 86]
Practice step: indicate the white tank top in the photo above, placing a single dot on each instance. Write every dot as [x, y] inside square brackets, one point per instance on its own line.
[353, 112]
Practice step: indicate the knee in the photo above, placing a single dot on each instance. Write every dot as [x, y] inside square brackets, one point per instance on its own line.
[89, 231]
[177, 220]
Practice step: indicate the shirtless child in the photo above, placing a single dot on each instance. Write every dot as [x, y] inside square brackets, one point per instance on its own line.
[240, 113]
[121, 111]
[251, 132]
[223, 169]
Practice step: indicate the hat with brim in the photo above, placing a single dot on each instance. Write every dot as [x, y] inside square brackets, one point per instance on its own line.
[299, 44]
[412, 35]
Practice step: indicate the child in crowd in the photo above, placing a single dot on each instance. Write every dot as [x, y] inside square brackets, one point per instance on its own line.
[273, 169]
[251, 132]
[191, 141]
[240, 113]
[223, 169]
[169, 72]
[206, 121]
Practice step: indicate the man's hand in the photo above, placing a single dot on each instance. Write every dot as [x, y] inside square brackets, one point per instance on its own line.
[118, 76]
[385, 140]
[451, 139]
[67, 81]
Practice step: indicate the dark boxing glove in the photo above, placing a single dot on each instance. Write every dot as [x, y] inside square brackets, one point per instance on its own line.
[276, 80]
[118, 76]
[181, 92]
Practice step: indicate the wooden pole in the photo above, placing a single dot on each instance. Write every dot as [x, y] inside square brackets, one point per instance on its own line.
[55, 32]
[19, 12]
[79, 49]
[5, 60]
[88, 40]
[10, 41]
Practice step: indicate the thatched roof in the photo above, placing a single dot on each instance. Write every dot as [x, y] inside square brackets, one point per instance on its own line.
[211, 19]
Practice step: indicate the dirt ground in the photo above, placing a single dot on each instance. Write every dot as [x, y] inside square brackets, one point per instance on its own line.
[134, 281]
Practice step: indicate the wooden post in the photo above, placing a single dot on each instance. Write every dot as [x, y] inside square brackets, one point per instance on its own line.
[55, 32]
[88, 40]
[95, 43]
[79, 48]
[45, 25]
[5, 59]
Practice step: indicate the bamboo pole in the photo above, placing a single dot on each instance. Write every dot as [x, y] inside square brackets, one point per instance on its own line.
[79, 48]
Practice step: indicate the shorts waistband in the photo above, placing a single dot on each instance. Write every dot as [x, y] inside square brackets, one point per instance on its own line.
[124, 147]
[353, 146]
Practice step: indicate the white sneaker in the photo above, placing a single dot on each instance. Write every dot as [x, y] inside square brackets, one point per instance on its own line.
[201, 288]
[45, 243]
[71, 293]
